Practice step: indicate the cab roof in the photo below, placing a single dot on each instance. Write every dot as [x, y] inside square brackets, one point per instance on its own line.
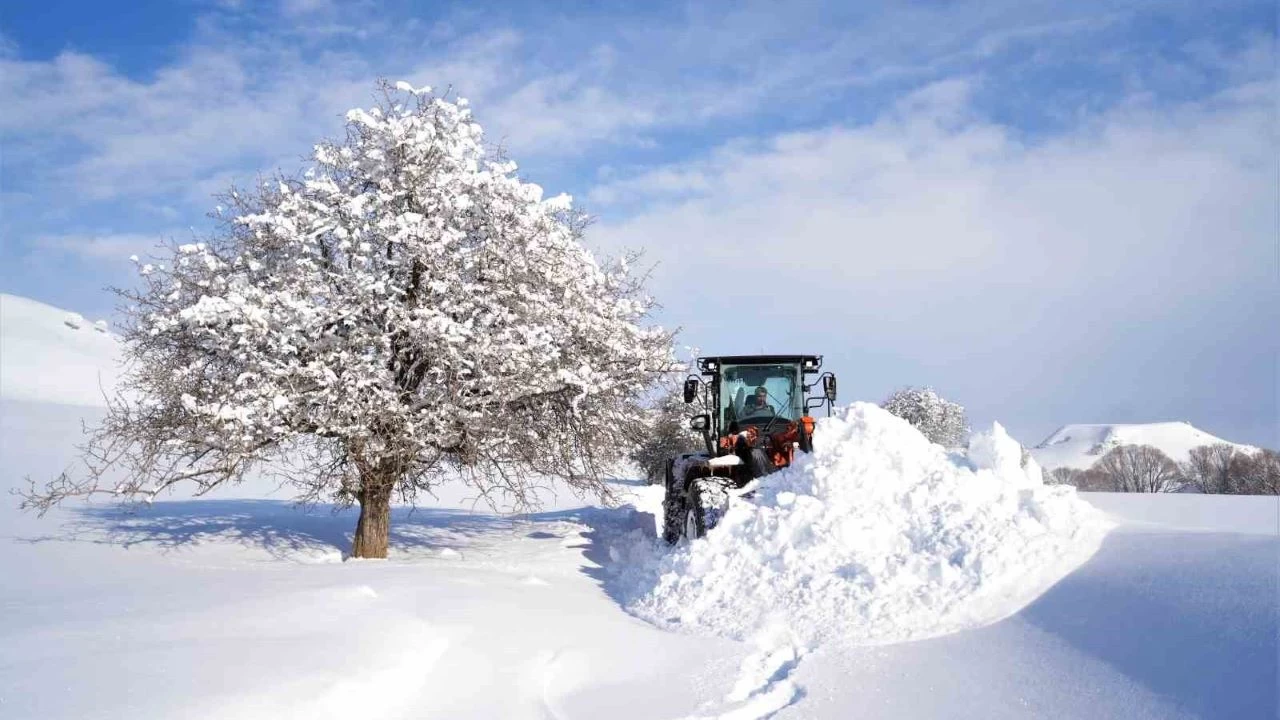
[711, 365]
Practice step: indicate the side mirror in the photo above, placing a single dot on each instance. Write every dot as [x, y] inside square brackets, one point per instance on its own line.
[700, 422]
[829, 387]
[690, 390]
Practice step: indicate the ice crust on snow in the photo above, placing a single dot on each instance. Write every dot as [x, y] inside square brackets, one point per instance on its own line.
[877, 536]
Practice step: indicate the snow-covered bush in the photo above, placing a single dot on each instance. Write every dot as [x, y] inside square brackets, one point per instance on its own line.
[941, 420]
[406, 307]
[666, 436]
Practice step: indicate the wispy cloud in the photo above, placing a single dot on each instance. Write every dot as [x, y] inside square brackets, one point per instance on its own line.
[108, 246]
[254, 90]
[951, 251]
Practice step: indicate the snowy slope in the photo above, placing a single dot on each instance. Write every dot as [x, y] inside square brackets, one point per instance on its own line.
[238, 605]
[52, 355]
[1080, 446]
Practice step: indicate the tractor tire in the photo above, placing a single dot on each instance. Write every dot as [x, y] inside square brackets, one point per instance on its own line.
[705, 504]
[673, 514]
[666, 477]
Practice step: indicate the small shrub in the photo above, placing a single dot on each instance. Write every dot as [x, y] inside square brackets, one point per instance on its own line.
[941, 420]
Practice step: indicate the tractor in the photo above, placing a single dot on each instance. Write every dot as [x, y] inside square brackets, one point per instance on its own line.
[755, 416]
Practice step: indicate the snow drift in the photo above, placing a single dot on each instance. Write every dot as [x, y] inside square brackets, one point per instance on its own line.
[878, 536]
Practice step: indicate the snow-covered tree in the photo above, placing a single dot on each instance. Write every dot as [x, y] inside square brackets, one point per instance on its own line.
[1137, 468]
[940, 420]
[666, 436]
[406, 309]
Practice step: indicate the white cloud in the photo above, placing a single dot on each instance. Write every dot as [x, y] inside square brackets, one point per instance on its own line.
[305, 7]
[106, 246]
[940, 244]
[237, 109]
[8, 46]
[240, 100]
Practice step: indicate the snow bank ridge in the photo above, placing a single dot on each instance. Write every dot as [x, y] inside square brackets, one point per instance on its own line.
[878, 536]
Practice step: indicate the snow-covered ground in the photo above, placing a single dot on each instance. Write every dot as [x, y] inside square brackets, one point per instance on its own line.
[50, 355]
[238, 605]
[1080, 446]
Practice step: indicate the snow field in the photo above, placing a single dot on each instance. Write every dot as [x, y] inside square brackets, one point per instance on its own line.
[879, 536]
[237, 605]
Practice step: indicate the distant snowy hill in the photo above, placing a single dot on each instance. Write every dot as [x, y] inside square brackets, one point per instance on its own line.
[55, 356]
[1080, 446]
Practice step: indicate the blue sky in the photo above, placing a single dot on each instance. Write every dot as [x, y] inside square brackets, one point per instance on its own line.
[1052, 212]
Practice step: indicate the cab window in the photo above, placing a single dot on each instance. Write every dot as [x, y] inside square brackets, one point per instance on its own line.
[759, 393]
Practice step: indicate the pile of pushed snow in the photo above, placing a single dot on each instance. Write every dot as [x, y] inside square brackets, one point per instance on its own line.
[1080, 446]
[51, 355]
[878, 536]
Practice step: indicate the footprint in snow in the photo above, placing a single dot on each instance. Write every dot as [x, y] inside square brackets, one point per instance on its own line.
[763, 687]
[364, 591]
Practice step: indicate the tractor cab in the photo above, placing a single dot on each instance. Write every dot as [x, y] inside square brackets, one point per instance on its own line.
[764, 392]
[754, 416]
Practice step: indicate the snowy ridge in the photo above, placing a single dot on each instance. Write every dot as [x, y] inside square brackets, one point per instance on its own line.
[878, 536]
[1080, 446]
[55, 356]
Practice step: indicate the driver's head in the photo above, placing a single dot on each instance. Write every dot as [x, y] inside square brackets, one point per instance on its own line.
[761, 395]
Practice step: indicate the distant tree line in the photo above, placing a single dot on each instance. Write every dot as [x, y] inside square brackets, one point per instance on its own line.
[1219, 469]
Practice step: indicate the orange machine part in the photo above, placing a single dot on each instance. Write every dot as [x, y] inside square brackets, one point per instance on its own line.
[782, 444]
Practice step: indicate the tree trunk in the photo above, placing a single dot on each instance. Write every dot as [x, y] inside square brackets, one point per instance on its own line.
[373, 529]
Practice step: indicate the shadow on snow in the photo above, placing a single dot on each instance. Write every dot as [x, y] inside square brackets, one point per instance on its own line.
[281, 528]
[286, 530]
[1192, 616]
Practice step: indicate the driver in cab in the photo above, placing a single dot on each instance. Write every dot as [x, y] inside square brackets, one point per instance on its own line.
[758, 404]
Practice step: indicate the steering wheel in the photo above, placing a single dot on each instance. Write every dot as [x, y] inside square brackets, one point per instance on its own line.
[763, 411]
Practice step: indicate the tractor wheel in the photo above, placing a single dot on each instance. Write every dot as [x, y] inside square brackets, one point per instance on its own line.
[667, 477]
[672, 510]
[706, 504]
